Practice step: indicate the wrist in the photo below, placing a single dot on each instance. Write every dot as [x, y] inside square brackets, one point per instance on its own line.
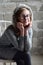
[25, 33]
[22, 33]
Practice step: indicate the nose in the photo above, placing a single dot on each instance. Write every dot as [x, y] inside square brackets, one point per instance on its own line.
[25, 17]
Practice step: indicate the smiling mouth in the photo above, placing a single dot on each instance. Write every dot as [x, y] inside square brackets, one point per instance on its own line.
[26, 26]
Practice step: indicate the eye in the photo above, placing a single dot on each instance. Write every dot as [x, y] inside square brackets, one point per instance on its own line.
[23, 16]
[28, 15]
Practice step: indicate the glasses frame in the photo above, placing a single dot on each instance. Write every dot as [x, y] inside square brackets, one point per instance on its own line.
[22, 17]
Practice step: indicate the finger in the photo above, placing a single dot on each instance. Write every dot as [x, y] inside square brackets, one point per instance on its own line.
[20, 24]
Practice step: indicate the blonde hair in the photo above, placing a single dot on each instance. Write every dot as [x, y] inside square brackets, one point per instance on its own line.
[18, 11]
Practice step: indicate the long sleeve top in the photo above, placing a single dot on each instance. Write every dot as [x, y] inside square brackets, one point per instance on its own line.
[10, 43]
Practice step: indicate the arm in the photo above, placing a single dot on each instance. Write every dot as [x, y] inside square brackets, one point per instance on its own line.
[21, 36]
[21, 43]
[9, 39]
[28, 40]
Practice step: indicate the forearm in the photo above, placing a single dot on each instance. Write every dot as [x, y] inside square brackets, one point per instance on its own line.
[27, 43]
[21, 43]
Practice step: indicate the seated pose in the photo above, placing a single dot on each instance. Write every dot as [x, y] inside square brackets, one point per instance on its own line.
[16, 41]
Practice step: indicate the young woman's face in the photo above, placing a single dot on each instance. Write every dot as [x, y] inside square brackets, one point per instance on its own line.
[25, 17]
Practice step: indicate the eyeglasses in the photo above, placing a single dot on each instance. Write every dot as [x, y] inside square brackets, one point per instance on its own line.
[25, 16]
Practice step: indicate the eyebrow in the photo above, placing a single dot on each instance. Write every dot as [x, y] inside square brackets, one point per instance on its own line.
[24, 14]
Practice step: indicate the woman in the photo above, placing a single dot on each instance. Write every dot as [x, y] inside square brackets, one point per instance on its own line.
[16, 41]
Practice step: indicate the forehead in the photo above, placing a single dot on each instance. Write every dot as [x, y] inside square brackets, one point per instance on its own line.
[25, 11]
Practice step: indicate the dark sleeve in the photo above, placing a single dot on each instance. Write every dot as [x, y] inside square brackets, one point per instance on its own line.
[4, 40]
[18, 44]
[9, 39]
[21, 43]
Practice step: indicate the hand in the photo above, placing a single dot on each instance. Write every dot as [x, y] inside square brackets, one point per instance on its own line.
[21, 28]
[26, 28]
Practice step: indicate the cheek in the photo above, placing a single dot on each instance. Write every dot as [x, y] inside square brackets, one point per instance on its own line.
[29, 20]
[20, 20]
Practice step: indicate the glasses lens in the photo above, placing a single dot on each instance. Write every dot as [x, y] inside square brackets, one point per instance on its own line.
[24, 16]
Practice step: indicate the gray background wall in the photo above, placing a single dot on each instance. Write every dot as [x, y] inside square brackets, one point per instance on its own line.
[6, 11]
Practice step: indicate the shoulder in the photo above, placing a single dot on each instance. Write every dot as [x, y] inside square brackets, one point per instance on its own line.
[7, 32]
[10, 27]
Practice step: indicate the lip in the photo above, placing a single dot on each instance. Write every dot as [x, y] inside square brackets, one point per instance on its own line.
[26, 26]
